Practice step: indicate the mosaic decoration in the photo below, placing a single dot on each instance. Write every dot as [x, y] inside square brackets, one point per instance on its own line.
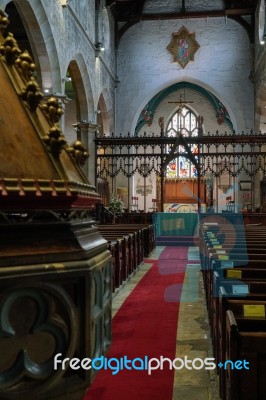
[183, 46]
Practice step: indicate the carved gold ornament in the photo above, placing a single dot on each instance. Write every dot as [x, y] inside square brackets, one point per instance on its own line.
[52, 109]
[78, 152]
[10, 49]
[32, 94]
[26, 64]
[4, 21]
[55, 140]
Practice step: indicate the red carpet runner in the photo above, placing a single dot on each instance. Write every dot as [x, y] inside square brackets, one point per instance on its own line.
[146, 325]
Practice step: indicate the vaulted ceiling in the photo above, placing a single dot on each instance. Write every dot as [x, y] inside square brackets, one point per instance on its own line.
[129, 12]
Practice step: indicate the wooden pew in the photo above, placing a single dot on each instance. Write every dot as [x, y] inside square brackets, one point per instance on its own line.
[235, 276]
[244, 248]
[117, 243]
[237, 306]
[245, 339]
[122, 257]
[232, 290]
[147, 234]
[133, 243]
[236, 261]
[111, 248]
[118, 231]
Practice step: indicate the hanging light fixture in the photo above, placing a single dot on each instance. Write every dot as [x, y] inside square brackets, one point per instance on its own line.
[98, 48]
[263, 38]
[64, 3]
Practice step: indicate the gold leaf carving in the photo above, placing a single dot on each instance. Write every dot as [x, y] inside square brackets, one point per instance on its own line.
[4, 21]
[32, 94]
[26, 64]
[78, 152]
[52, 109]
[55, 140]
[10, 49]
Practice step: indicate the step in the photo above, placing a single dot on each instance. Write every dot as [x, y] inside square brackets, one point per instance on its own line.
[177, 241]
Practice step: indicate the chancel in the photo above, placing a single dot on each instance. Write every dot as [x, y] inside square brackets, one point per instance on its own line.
[133, 200]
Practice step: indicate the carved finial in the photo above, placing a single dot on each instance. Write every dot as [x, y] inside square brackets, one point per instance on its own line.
[10, 49]
[32, 94]
[78, 152]
[52, 109]
[4, 21]
[55, 140]
[26, 64]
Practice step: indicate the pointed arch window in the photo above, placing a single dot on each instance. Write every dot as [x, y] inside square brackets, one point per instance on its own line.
[184, 120]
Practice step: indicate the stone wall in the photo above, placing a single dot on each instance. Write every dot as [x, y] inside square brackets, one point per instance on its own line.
[222, 65]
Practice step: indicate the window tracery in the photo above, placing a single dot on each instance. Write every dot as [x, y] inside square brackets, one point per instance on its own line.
[183, 121]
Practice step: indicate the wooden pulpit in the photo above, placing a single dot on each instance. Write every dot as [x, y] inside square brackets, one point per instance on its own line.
[55, 269]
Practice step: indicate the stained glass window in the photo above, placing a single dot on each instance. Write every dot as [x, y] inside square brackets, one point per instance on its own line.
[185, 121]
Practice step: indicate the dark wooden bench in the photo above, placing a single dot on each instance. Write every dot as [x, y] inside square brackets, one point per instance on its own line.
[120, 231]
[243, 274]
[118, 255]
[111, 248]
[234, 263]
[245, 339]
[147, 234]
[233, 258]
[234, 290]
[133, 243]
[237, 305]
[245, 251]
[240, 251]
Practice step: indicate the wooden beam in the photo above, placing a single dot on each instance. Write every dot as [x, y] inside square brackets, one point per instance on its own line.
[240, 11]
[189, 14]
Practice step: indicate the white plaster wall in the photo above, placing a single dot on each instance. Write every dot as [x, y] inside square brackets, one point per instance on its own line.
[222, 65]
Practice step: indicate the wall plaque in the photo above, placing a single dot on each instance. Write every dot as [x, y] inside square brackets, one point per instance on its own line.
[183, 46]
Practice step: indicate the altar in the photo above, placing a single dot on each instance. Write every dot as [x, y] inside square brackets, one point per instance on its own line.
[175, 224]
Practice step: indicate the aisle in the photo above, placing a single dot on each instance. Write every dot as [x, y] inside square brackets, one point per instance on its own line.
[193, 338]
[192, 333]
[144, 328]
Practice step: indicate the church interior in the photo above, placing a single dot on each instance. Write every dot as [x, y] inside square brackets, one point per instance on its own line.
[133, 199]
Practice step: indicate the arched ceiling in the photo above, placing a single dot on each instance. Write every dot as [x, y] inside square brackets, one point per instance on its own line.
[130, 12]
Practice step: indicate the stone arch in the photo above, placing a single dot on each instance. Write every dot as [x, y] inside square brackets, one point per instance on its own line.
[104, 113]
[202, 84]
[260, 110]
[78, 89]
[79, 107]
[37, 27]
